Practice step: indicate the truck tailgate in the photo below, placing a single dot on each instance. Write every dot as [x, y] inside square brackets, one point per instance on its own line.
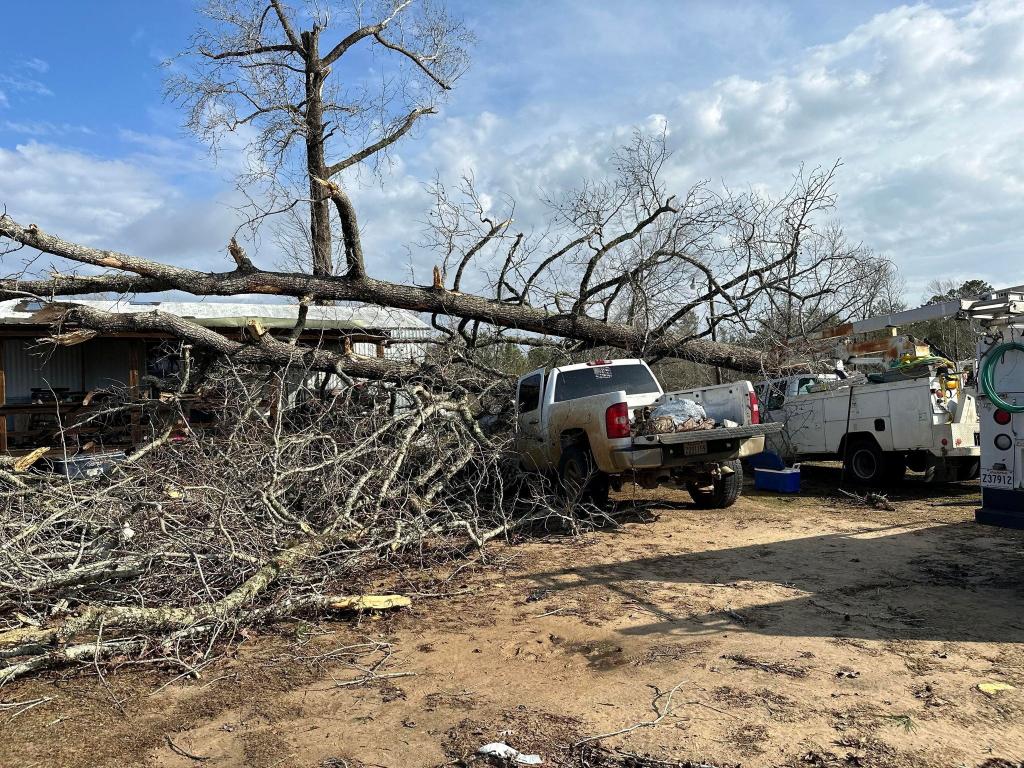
[699, 435]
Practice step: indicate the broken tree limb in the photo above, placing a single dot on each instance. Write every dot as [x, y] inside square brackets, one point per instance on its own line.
[266, 350]
[153, 276]
[251, 522]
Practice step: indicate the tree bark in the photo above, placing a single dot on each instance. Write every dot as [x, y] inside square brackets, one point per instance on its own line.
[155, 276]
[265, 350]
[316, 163]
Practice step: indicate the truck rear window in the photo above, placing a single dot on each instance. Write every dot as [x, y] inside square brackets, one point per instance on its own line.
[600, 379]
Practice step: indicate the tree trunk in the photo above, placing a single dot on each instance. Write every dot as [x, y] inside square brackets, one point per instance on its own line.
[319, 207]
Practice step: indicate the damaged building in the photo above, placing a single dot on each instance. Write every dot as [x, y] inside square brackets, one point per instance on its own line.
[43, 387]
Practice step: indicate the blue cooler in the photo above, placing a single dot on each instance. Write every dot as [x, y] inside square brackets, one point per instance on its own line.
[778, 480]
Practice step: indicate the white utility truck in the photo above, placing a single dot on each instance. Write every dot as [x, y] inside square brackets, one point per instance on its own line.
[581, 422]
[929, 415]
[925, 421]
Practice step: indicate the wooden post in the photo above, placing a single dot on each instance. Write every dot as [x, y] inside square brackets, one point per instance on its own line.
[136, 355]
[134, 367]
[3, 400]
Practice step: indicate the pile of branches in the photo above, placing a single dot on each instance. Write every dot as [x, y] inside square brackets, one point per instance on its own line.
[260, 517]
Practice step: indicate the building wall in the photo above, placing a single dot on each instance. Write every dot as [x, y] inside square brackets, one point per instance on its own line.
[91, 365]
[408, 352]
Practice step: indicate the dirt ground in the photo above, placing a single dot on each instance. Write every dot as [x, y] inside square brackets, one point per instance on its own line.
[797, 631]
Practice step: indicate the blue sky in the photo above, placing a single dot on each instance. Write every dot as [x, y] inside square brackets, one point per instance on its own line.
[924, 104]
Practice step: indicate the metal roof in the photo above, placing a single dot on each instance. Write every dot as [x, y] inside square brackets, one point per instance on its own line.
[235, 315]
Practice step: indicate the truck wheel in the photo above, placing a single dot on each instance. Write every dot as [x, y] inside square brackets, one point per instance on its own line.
[865, 463]
[580, 478]
[725, 492]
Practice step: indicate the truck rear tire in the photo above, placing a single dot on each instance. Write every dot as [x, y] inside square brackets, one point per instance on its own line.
[580, 478]
[726, 489]
[865, 463]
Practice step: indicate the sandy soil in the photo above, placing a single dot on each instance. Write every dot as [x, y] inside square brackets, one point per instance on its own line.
[797, 631]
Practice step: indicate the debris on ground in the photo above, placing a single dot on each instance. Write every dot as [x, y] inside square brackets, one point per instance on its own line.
[766, 666]
[871, 499]
[502, 751]
[994, 689]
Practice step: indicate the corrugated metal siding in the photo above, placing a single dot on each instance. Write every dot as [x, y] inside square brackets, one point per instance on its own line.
[409, 352]
[365, 348]
[106, 363]
[28, 364]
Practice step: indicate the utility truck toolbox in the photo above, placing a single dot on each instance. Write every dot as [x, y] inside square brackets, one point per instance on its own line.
[779, 480]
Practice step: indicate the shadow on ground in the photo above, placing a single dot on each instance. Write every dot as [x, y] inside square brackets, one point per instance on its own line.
[920, 581]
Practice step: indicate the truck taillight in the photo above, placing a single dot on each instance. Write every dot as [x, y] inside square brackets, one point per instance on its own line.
[755, 409]
[616, 420]
[1002, 417]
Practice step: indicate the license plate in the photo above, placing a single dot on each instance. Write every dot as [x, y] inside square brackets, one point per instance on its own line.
[997, 478]
[692, 449]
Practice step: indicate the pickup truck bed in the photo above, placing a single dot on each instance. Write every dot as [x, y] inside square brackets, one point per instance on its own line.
[648, 452]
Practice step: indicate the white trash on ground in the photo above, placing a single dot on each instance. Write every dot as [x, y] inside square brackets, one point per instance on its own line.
[503, 751]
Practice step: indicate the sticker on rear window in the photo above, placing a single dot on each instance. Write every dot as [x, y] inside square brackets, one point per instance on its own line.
[604, 372]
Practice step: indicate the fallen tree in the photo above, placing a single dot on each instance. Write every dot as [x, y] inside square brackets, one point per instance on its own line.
[437, 300]
[586, 314]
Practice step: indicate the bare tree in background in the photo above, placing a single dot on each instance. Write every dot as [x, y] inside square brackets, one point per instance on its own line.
[952, 337]
[291, 84]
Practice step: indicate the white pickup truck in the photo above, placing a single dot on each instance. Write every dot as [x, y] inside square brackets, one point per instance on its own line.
[877, 429]
[579, 421]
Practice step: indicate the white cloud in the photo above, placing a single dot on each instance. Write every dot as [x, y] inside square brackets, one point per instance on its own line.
[16, 81]
[42, 128]
[19, 77]
[36, 65]
[112, 203]
[924, 106]
[86, 197]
